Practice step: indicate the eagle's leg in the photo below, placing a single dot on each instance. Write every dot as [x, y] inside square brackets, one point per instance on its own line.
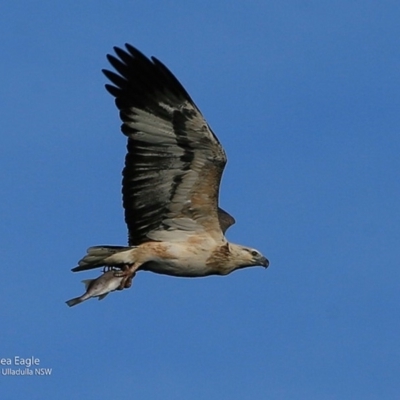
[127, 272]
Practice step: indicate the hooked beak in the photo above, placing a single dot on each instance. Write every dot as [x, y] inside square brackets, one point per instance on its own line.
[264, 262]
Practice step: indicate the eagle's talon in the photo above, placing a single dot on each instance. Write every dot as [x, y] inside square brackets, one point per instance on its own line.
[128, 282]
[123, 271]
[127, 275]
[122, 285]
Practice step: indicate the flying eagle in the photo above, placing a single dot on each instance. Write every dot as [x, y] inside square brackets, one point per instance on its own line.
[171, 180]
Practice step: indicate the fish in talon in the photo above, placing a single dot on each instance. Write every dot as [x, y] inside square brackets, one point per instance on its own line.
[99, 287]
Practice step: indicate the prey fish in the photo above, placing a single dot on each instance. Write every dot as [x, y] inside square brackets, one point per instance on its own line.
[99, 287]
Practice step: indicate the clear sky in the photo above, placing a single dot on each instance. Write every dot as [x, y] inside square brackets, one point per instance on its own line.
[305, 97]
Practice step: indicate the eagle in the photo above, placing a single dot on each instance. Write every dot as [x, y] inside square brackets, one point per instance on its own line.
[171, 179]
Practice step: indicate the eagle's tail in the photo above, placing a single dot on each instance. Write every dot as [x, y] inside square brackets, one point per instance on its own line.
[101, 256]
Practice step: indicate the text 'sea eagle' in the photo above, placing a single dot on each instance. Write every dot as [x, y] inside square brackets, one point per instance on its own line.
[171, 180]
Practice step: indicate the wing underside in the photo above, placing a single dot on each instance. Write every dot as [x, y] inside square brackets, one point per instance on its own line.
[174, 162]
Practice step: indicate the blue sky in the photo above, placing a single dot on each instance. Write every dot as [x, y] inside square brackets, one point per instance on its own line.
[305, 97]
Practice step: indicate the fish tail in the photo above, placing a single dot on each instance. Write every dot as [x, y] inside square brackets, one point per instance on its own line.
[74, 302]
[100, 256]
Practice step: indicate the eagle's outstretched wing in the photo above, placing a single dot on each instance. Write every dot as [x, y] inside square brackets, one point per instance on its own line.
[174, 162]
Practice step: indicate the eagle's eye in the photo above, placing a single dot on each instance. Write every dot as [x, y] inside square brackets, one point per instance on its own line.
[254, 253]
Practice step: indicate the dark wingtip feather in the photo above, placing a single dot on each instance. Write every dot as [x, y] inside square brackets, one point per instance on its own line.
[112, 90]
[135, 52]
[171, 78]
[116, 79]
[133, 66]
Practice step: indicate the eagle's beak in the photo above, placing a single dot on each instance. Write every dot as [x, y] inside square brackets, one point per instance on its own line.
[264, 262]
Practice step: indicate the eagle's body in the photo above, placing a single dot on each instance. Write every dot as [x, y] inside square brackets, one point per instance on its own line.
[171, 180]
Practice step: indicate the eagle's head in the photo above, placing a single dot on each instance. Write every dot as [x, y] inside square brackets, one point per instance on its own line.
[242, 257]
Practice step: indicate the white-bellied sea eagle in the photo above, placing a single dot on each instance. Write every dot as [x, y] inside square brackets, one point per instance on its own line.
[171, 180]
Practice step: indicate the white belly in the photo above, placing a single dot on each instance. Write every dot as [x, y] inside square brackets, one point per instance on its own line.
[184, 261]
[175, 269]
